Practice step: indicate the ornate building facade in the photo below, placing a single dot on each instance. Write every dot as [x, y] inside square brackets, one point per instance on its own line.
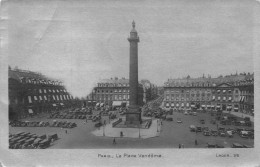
[113, 92]
[230, 93]
[31, 92]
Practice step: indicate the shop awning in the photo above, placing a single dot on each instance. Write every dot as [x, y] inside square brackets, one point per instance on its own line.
[224, 91]
[167, 104]
[193, 105]
[218, 106]
[182, 104]
[224, 98]
[30, 111]
[218, 98]
[62, 104]
[187, 104]
[54, 105]
[212, 106]
[177, 104]
[213, 97]
[202, 105]
[218, 90]
[229, 98]
[172, 104]
[101, 104]
[235, 108]
[97, 104]
[117, 103]
[208, 105]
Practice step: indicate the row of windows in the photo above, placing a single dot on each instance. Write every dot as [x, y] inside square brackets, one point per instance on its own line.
[111, 91]
[32, 99]
[188, 91]
[113, 85]
[49, 90]
[188, 95]
[40, 81]
[190, 84]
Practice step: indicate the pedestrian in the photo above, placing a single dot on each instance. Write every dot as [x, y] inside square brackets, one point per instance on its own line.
[66, 131]
[179, 146]
[196, 142]
[114, 141]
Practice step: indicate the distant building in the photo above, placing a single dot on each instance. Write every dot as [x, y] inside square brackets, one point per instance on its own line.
[231, 93]
[113, 92]
[150, 90]
[31, 92]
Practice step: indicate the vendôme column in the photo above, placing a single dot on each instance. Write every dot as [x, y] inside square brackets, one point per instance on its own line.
[133, 116]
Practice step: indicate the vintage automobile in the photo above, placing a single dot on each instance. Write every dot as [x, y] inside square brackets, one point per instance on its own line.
[179, 120]
[247, 146]
[229, 133]
[237, 145]
[211, 145]
[219, 146]
[199, 129]
[192, 128]
[44, 144]
[206, 133]
[243, 134]
[214, 133]
[222, 134]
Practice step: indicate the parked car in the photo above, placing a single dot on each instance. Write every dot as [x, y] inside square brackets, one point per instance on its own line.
[199, 129]
[243, 134]
[222, 134]
[214, 133]
[237, 145]
[179, 120]
[229, 133]
[192, 128]
[206, 133]
[211, 145]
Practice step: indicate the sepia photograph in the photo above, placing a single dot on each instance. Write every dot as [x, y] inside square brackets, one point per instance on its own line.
[119, 75]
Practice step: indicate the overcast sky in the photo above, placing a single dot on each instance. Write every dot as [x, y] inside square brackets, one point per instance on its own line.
[81, 42]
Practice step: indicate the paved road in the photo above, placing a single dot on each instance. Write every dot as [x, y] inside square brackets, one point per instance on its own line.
[172, 135]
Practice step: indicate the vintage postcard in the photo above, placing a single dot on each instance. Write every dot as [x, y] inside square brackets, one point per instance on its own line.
[131, 83]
